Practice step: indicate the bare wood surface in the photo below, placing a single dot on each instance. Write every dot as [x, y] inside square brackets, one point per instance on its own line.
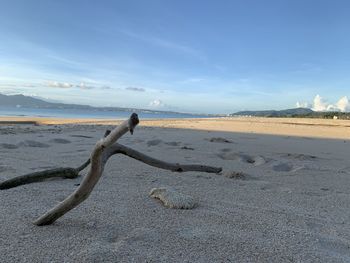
[66, 173]
[175, 167]
[61, 172]
[94, 174]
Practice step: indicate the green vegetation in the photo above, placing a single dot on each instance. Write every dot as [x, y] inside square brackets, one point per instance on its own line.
[326, 115]
[295, 113]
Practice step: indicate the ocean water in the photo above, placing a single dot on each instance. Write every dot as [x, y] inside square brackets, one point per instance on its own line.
[87, 113]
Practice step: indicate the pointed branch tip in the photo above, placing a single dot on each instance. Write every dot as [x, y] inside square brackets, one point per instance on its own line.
[133, 121]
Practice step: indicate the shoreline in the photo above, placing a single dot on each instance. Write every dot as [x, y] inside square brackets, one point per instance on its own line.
[299, 127]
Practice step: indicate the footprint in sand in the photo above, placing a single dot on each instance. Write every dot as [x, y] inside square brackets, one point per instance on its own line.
[60, 141]
[173, 143]
[154, 142]
[299, 156]
[285, 167]
[30, 143]
[8, 146]
[245, 158]
[81, 136]
[226, 150]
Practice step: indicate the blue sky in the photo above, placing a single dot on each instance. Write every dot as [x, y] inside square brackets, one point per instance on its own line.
[193, 56]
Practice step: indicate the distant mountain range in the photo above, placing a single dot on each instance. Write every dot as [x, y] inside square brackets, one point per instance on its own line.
[13, 101]
[21, 101]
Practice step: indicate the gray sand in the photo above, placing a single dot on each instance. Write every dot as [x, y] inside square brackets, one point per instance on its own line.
[293, 207]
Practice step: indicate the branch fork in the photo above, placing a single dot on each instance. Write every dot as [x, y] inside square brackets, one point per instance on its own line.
[103, 150]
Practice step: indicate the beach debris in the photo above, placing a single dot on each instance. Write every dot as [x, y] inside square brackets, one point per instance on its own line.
[226, 150]
[282, 167]
[187, 148]
[220, 140]
[103, 150]
[67, 173]
[172, 198]
[97, 163]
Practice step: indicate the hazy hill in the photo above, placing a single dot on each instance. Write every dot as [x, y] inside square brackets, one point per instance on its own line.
[30, 102]
[274, 113]
[21, 100]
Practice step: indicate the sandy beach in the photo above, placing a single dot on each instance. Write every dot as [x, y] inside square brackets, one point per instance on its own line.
[289, 203]
[317, 128]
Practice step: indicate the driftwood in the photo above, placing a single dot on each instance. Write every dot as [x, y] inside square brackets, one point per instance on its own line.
[94, 174]
[103, 150]
[63, 172]
[67, 172]
[174, 167]
[72, 173]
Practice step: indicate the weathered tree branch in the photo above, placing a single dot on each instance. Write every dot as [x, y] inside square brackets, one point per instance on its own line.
[94, 174]
[175, 167]
[72, 173]
[62, 172]
[103, 150]
[68, 172]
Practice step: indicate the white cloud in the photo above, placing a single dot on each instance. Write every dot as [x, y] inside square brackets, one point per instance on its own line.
[135, 89]
[320, 104]
[156, 103]
[56, 84]
[343, 104]
[67, 85]
[302, 105]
